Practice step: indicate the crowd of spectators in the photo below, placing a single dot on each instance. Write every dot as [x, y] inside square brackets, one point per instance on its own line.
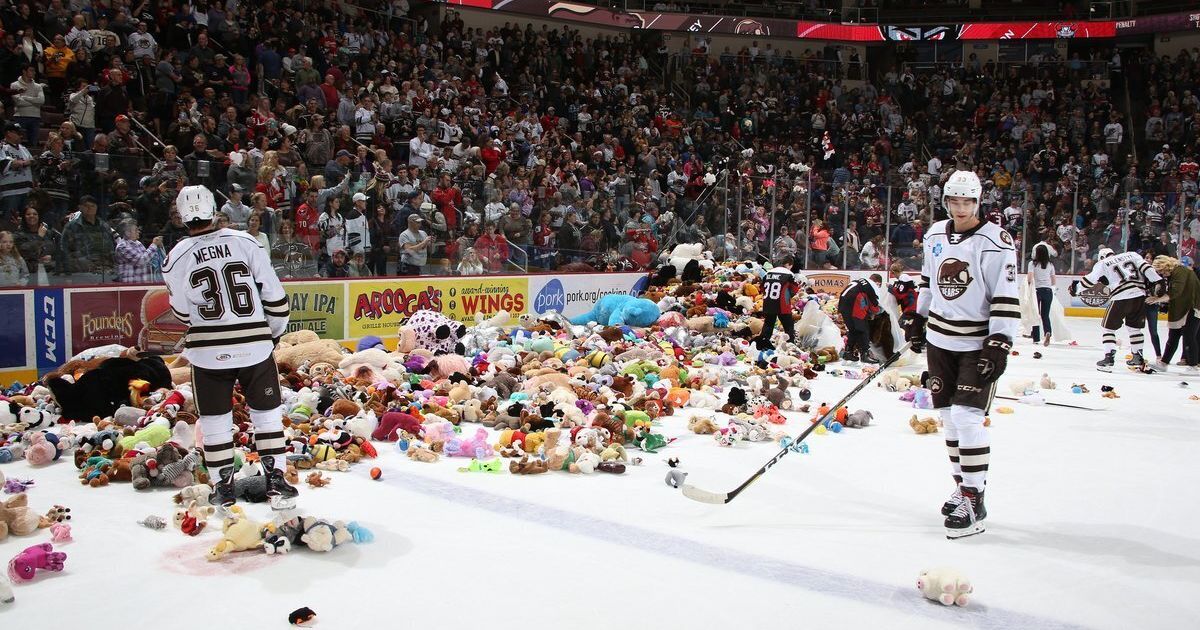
[402, 141]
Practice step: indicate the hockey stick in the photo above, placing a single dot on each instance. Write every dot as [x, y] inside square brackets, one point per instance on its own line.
[718, 498]
[1058, 404]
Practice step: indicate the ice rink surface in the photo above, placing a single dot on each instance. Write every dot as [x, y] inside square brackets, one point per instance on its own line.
[1091, 524]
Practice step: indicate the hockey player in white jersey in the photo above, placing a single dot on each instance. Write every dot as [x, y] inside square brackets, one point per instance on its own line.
[223, 287]
[1129, 278]
[968, 310]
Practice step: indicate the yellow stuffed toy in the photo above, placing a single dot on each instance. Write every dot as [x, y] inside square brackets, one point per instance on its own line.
[238, 534]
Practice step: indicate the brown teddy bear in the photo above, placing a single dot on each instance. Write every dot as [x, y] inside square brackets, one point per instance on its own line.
[300, 346]
[924, 425]
[16, 517]
[702, 425]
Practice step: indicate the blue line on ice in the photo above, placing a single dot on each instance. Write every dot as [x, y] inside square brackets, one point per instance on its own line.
[903, 599]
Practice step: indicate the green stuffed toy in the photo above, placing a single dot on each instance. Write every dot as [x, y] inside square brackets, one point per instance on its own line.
[649, 442]
[154, 434]
[641, 369]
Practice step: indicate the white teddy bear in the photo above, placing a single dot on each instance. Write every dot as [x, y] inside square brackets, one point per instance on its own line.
[944, 585]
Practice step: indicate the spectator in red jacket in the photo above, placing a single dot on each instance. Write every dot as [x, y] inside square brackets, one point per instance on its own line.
[492, 247]
[492, 154]
[306, 221]
[448, 199]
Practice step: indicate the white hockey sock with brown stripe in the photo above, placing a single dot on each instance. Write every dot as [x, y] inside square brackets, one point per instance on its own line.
[1109, 340]
[951, 443]
[218, 441]
[268, 435]
[974, 445]
[1137, 338]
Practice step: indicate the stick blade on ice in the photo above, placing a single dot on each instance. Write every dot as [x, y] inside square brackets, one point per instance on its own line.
[704, 496]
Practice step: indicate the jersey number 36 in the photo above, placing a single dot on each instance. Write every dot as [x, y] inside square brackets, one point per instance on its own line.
[229, 286]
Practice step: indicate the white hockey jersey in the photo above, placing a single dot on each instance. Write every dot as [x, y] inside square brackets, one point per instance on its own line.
[968, 286]
[1127, 275]
[346, 232]
[223, 287]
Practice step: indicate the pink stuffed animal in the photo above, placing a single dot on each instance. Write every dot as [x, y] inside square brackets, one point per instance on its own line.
[23, 567]
[440, 431]
[60, 533]
[40, 450]
[476, 447]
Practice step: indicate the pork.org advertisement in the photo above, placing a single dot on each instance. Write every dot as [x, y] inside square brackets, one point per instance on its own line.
[573, 295]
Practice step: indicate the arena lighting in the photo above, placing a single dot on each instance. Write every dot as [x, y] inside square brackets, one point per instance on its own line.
[803, 29]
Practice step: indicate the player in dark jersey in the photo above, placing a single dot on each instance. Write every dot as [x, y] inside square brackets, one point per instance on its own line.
[858, 305]
[779, 286]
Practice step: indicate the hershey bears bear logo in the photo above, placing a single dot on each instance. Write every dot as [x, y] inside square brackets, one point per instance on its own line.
[1095, 297]
[954, 276]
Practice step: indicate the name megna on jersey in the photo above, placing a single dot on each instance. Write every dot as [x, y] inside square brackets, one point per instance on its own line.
[209, 252]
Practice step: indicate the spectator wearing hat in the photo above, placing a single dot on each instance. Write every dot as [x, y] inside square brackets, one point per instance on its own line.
[16, 172]
[338, 266]
[238, 212]
[414, 244]
[124, 147]
[339, 167]
[88, 245]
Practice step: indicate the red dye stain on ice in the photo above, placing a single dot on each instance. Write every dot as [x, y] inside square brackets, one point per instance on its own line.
[191, 558]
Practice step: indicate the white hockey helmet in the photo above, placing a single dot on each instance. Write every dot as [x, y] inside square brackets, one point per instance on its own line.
[962, 184]
[1104, 252]
[196, 203]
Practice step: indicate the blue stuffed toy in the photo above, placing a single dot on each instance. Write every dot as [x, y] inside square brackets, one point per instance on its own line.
[618, 310]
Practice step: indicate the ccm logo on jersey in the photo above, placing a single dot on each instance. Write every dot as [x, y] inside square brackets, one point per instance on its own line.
[954, 276]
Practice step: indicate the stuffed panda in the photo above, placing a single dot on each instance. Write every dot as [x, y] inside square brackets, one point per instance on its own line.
[36, 418]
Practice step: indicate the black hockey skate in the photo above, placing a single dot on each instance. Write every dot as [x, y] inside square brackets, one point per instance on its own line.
[280, 494]
[223, 495]
[952, 502]
[1136, 361]
[849, 356]
[868, 359]
[1106, 364]
[967, 517]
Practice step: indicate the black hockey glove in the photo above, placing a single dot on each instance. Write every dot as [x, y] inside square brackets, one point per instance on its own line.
[913, 326]
[1158, 288]
[1073, 290]
[993, 358]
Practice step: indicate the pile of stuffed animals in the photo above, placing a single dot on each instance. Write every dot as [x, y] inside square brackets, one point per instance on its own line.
[532, 394]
